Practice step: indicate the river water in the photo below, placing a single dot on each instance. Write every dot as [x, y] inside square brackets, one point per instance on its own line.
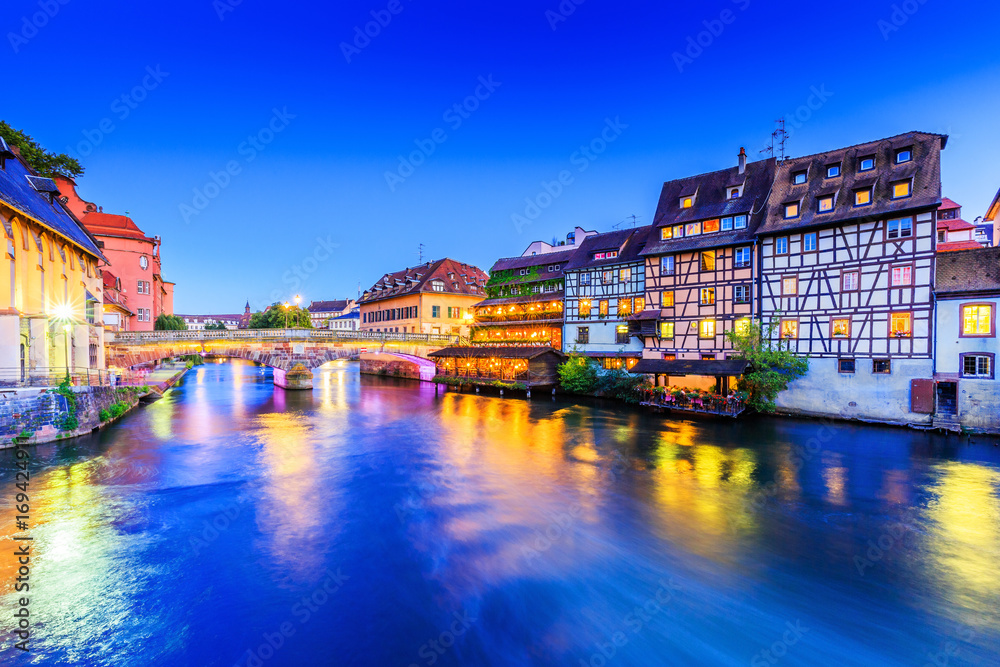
[375, 522]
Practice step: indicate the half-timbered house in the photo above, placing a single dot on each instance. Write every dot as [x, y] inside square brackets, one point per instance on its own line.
[847, 266]
[605, 285]
[700, 267]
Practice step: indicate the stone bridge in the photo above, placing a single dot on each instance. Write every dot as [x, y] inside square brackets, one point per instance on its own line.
[292, 353]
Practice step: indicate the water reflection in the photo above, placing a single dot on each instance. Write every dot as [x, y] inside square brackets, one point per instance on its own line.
[191, 529]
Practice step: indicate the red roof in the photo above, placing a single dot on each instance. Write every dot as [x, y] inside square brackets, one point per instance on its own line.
[110, 280]
[955, 225]
[109, 224]
[958, 245]
[947, 204]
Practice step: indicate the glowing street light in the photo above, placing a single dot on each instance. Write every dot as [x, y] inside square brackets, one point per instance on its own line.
[297, 300]
[286, 314]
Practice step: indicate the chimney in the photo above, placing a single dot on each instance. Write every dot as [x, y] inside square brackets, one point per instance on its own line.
[743, 160]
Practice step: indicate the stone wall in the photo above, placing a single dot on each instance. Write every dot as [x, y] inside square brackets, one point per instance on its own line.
[41, 411]
[389, 365]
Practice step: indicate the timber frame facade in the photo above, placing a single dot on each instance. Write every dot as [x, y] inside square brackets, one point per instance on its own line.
[700, 261]
[605, 286]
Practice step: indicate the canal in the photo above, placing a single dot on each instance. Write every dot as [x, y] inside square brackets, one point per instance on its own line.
[374, 522]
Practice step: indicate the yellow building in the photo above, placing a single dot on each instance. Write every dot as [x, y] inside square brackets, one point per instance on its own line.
[433, 298]
[50, 290]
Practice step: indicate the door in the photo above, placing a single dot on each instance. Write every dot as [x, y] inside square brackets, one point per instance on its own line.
[947, 398]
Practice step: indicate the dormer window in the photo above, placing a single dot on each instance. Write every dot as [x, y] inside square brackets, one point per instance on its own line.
[825, 204]
[734, 193]
[437, 285]
[666, 233]
[833, 170]
[863, 197]
[791, 210]
[901, 189]
[867, 163]
[904, 155]
[687, 202]
[798, 178]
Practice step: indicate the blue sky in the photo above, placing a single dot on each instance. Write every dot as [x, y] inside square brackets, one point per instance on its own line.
[314, 212]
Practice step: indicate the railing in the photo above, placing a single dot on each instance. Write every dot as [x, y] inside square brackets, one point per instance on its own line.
[475, 374]
[729, 406]
[316, 335]
[79, 377]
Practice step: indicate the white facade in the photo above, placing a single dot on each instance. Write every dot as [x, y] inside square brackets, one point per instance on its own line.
[966, 355]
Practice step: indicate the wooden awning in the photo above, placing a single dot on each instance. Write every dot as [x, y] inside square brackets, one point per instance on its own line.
[710, 367]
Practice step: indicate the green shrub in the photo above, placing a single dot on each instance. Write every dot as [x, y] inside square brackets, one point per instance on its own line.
[71, 421]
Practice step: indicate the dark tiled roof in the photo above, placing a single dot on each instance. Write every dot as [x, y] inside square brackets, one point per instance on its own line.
[541, 297]
[502, 352]
[968, 271]
[691, 366]
[924, 168]
[327, 306]
[546, 260]
[628, 242]
[17, 192]
[465, 279]
[710, 203]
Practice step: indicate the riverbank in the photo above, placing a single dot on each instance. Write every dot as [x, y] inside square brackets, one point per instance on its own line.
[47, 414]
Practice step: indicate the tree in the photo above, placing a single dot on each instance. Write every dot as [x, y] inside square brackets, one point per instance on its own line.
[578, 374]
[273, 317]
[42, 161]
[166, 322]
[773, 366]
[215, 326]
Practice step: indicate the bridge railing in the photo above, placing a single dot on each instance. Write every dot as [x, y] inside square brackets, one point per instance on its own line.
[315, 335]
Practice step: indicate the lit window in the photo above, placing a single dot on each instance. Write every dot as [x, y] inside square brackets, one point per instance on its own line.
[602, 308]
[687, 202]
[809, 242]
[710, 226]
[741, 294]
[584, 309]
[900, 189]
[607, 277]
[708, 260]
[666, 233]
[726, 224]
[667, 300]
[867, 164]
[900, 228]
[789, 328]
[583, 335]
[640, 304]
[904, 155]
[781, 245]
[845, 365]
[863, 197]
[707, 296]
[789, 286]
[692, 229]
[900, 325]
[667, 266]
[833, 170]
[849, 281]
[841, 328]
[792, 210]
[977, 366]
[977, 320]
[881, 366]
[667, 330]
[740, 222]
[902, 275]
[678, 231]
[707, 329]
[625, 275]
[826, 204]
[799, 177]
[742, 326]
[742, 258]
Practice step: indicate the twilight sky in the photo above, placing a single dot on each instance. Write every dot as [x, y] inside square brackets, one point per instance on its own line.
[267, 154]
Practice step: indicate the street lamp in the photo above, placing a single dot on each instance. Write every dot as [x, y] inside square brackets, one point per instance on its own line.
[286, 314]
[297, 300]
[66, 329]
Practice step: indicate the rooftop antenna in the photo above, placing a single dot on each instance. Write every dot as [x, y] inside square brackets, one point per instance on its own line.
[778, 139]
[631, 220]
[420, 254]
